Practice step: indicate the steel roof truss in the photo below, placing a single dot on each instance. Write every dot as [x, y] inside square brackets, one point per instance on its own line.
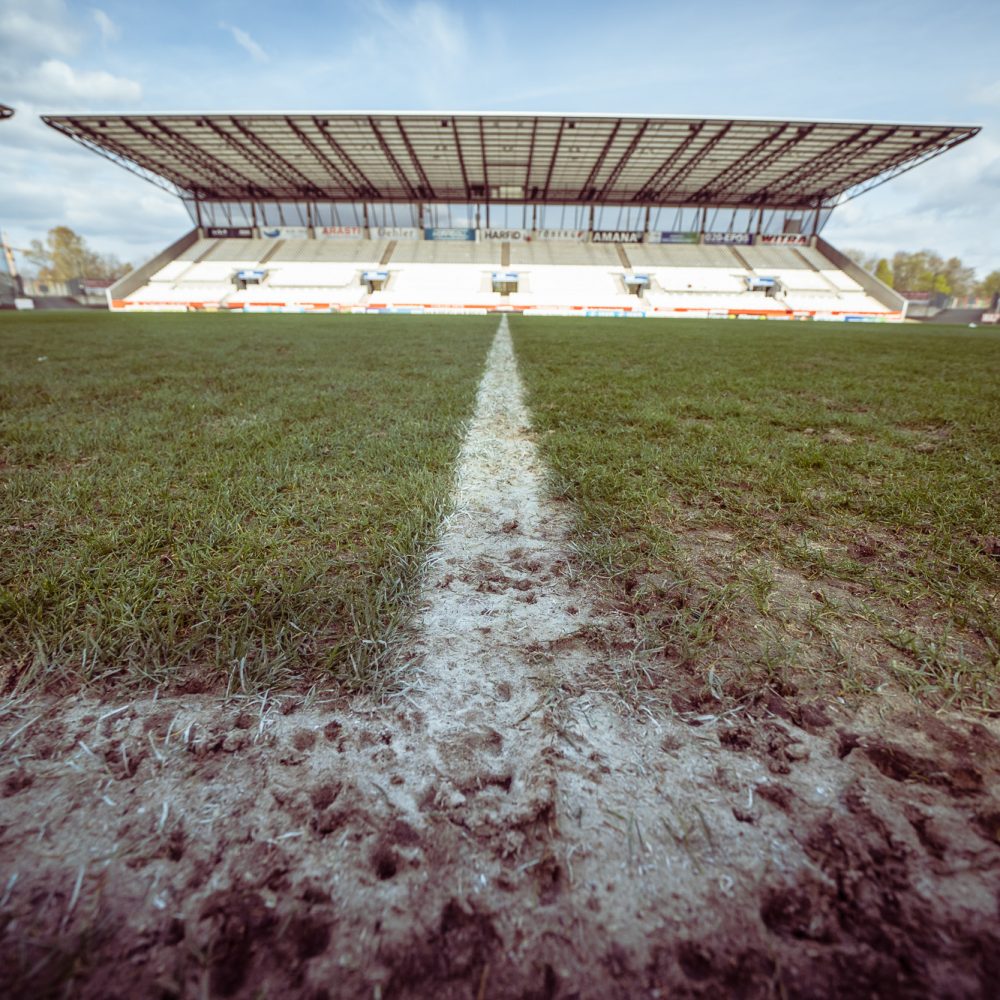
[461, 159]
[680, 174]
[273, 162]
[366, 187]
[694, 130]
[342, 181]
[428, 188]
[616, 171]
[392, 161]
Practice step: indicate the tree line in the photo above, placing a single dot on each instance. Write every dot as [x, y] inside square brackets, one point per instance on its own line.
[65, 255]
[927, 271]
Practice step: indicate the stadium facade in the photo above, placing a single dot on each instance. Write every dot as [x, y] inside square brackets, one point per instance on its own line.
[545, 214]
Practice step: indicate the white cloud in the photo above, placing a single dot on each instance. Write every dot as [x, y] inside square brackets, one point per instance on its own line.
[432, 28]
[245, 41]
[38, 38]
[54, 81]
[420, 49]
[951, 205]
[36, 26]
[50, 181]
[110, 32]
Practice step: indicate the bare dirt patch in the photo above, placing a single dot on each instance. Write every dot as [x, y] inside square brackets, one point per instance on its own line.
[516, 821]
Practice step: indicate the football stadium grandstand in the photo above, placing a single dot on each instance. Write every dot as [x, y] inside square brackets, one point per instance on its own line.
[543, 214]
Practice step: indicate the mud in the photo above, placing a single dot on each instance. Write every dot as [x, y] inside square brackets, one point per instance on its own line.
[515, 821]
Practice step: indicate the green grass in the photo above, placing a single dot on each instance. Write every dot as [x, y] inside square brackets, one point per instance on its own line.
[790, 506]
[216, 500]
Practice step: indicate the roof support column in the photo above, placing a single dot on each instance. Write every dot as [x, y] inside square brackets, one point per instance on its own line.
[364, 209]
[197, 216]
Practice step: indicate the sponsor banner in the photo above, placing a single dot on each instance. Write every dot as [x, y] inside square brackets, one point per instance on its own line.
[615, 236]
[397, 233]
[229, 232]
[917, 296]
[507, 235]
[285, 232]
[99, 283]
[339, 232]
[564, 235]
[729, 239]
[250, 275]
[449, 233]
[670, 236]
[783, 239]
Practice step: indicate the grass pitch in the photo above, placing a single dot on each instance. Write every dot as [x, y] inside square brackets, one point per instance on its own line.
[220, 500]
[785, 505]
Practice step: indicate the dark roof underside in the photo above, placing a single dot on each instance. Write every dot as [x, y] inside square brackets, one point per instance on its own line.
[6, 112]
[407, 157]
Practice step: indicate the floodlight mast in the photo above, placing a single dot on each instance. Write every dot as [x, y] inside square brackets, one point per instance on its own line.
[488, 161]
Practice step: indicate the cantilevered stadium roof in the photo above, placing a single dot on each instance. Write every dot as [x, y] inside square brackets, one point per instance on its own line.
[514, 158]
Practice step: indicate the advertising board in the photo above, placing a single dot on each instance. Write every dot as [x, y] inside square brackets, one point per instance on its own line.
[671, 236]
[729, 239]
[339, 232]
[229, 232]
[616, 236]
[783, 239]
[506, 235]
[562, 235]
[284, 232]
[397, 233]
[449, 233]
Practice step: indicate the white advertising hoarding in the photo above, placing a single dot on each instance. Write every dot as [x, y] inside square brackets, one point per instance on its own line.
[339, 232]
[566, 235]
[284, 232]
[398, 233]
[505, 235]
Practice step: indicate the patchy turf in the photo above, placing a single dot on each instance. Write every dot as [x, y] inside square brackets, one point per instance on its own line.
[503, 824]
[216, 500]
[786, 506]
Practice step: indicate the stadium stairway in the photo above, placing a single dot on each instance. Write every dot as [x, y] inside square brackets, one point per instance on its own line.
[812, 266]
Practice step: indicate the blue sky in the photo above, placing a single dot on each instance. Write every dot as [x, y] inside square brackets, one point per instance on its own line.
[892, 60]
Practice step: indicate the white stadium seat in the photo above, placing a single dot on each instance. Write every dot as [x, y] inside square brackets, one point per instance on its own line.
[553, 276]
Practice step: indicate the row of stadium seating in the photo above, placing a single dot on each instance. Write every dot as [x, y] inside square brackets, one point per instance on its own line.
[551, 276]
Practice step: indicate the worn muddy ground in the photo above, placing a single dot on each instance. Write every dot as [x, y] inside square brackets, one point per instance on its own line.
[516, 821]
